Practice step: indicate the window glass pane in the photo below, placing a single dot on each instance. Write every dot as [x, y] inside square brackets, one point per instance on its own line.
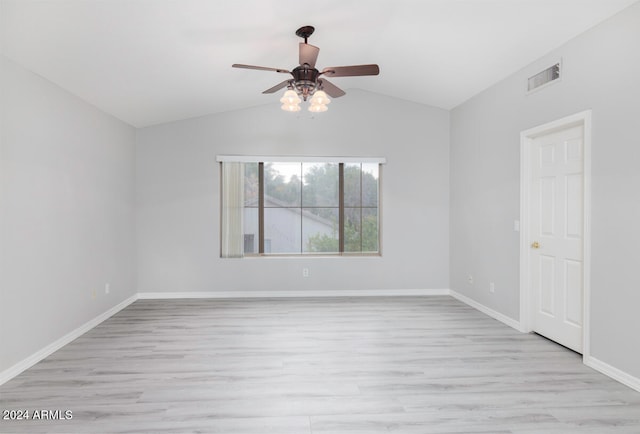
[320, 186]
[352, 230]
[282, 183]
[283, 227]
[370, 176]
[352, 191]
[320, 230]
[302, 208]
[250, 230]
[370, 230]
[251, 184]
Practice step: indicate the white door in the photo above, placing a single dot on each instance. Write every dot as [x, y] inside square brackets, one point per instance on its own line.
[557, 229]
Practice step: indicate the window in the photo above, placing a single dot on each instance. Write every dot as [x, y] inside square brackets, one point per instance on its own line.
[314, 206]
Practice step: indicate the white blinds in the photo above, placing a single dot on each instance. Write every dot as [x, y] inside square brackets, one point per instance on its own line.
[232, 209]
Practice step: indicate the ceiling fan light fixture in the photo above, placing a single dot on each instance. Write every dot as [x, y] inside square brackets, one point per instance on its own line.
[290, 97]
[320, 98]
[318, 108]
[290, 107]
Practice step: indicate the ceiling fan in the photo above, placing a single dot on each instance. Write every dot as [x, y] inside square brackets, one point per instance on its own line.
[307, 81]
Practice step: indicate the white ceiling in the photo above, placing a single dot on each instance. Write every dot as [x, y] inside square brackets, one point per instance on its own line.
[153, 61]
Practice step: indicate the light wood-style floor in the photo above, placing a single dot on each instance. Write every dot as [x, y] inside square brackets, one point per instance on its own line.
[330, 365]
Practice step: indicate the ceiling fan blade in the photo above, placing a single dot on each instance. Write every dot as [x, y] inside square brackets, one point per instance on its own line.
[331, 89]
[260, 68]
[277, 87]
[351, 71]
[308, 54]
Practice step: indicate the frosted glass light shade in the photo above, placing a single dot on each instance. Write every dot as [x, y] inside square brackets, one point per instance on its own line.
[320, 98]
[290, 107]
[318, 108]
[290, 97]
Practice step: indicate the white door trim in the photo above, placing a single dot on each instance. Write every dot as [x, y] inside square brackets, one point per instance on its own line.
[526, 138]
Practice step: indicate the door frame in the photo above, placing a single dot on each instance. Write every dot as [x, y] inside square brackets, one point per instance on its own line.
[526, 139]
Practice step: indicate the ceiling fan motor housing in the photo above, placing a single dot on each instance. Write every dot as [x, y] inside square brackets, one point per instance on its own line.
[305, 79]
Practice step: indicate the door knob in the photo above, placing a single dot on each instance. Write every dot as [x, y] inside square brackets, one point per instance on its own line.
[535, 245]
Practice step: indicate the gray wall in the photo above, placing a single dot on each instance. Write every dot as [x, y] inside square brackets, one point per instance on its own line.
[66, 213]
[602, 73]
[178, 196]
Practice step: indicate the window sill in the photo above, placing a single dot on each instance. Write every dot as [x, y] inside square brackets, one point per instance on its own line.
[311, 255]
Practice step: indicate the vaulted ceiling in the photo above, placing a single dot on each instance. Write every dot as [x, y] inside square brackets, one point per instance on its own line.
[154, 61]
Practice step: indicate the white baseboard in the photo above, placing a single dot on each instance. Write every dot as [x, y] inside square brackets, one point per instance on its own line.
[487, 311]
[600, 366]
[610, 371]
[294, 294]
[25, 364]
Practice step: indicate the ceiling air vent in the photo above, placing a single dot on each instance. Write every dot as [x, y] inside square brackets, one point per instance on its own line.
[543, 78]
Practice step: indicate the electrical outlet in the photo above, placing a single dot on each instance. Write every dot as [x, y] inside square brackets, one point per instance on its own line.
[305, 272]
[492, 287]
[107, 288]
[94, 293]
[470, 279]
